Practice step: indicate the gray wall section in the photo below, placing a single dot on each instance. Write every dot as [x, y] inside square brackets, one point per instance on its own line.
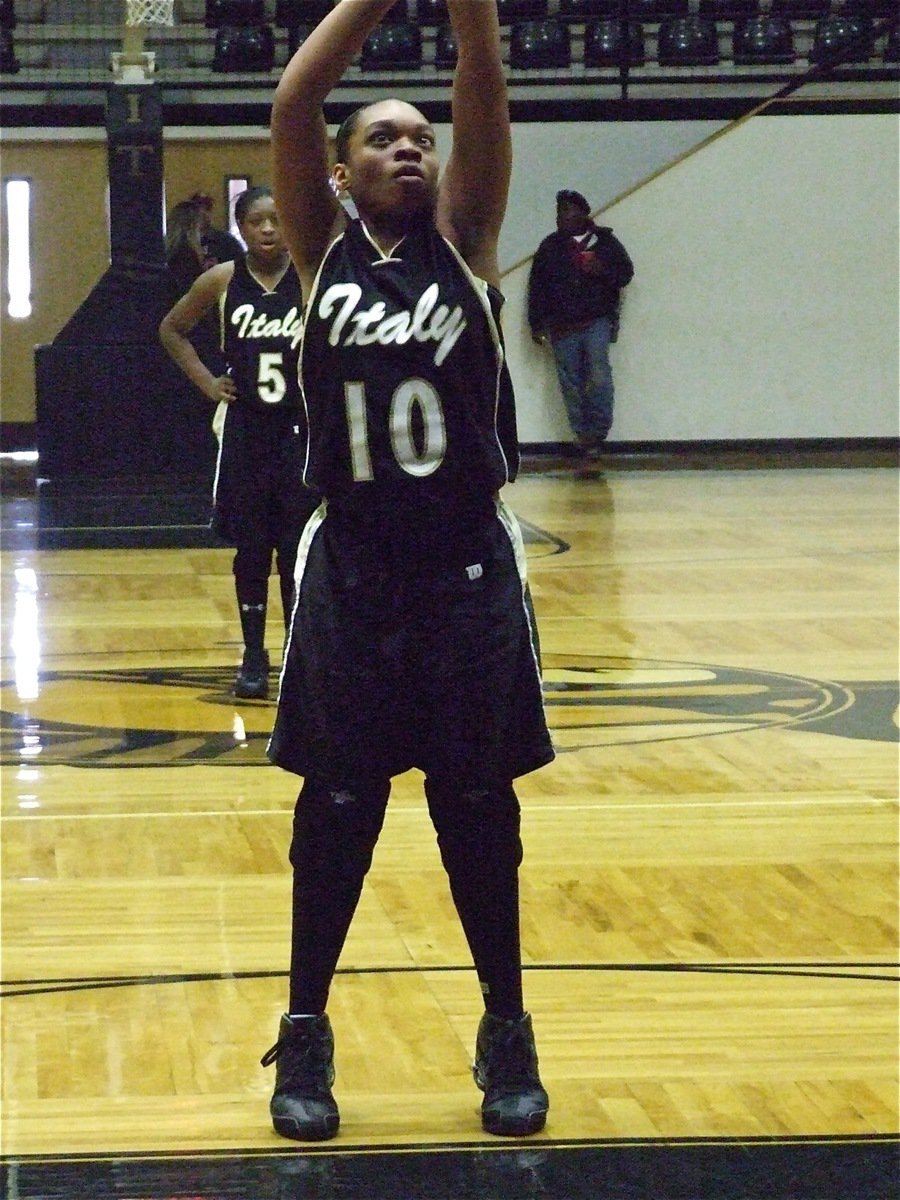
[765, 299]
[601, 160]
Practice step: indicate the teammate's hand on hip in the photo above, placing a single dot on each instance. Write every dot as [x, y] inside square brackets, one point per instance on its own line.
[224, 389]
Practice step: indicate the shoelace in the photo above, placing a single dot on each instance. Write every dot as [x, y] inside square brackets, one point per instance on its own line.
[309, 1061]
[273, 1052]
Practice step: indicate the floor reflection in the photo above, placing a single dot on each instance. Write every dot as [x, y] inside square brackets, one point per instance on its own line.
[792, 1169]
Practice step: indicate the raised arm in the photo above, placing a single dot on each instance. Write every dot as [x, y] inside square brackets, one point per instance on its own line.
[306, 204]
[475, 184]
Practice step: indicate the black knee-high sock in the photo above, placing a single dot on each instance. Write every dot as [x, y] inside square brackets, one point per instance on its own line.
[251, 569]
[253, 630]
[285, 560]
[335, 831]
[478, 837]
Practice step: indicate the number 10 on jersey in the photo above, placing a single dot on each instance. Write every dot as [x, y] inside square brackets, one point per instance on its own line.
[413, 397]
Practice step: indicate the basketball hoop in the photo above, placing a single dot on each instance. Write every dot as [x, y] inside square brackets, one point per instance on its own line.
[149, 12]
[134, 64]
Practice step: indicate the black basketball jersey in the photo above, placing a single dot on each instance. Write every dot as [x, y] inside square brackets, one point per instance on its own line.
[261, 337]
[408, 399]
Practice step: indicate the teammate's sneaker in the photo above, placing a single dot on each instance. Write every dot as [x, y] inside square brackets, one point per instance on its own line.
[506, 1070]
[252, 681]
[302, 1105]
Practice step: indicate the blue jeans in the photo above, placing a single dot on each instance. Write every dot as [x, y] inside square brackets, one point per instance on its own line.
[585, 379]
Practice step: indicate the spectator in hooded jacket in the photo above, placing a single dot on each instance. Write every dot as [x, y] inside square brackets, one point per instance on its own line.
[574, 292]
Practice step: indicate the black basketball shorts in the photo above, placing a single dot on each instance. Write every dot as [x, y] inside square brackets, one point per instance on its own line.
[259, 498]
[388, 669]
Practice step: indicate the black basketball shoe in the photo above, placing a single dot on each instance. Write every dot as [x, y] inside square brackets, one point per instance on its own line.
[252, 681]
[506, 1070]
[302, 1105]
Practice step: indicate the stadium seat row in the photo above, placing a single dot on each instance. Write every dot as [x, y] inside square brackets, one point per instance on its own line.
[547, 44]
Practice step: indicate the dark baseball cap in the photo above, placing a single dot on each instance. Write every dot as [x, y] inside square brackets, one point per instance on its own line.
[566, 196]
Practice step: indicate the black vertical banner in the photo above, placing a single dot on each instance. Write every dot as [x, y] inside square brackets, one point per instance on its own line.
[134, 127]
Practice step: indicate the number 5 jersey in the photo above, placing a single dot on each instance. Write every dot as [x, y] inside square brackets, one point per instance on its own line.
[261, 336]
[258, 493]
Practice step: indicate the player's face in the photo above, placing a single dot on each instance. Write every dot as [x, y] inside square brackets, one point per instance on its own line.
[570, 218]
[261, 231]
[392, 164]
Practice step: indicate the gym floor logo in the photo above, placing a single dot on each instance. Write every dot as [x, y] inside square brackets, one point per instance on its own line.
[168, 717]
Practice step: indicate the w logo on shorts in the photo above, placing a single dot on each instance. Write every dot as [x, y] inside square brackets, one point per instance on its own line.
[475, 571]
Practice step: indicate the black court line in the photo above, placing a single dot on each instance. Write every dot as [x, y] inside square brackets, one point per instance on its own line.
[862, 971]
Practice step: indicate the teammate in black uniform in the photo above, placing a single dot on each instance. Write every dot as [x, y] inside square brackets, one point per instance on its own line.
[260, 501]
[412, 643]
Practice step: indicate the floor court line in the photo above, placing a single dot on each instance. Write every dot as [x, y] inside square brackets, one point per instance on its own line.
[398, 810]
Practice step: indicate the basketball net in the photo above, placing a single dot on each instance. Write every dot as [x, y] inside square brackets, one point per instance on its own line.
[134, 64]
[149, 12]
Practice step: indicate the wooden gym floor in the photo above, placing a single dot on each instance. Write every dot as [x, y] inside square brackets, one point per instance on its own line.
[709, 892]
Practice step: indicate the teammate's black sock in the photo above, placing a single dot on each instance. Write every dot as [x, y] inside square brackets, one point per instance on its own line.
[253, 628]
[286, 558]
[287, 599]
